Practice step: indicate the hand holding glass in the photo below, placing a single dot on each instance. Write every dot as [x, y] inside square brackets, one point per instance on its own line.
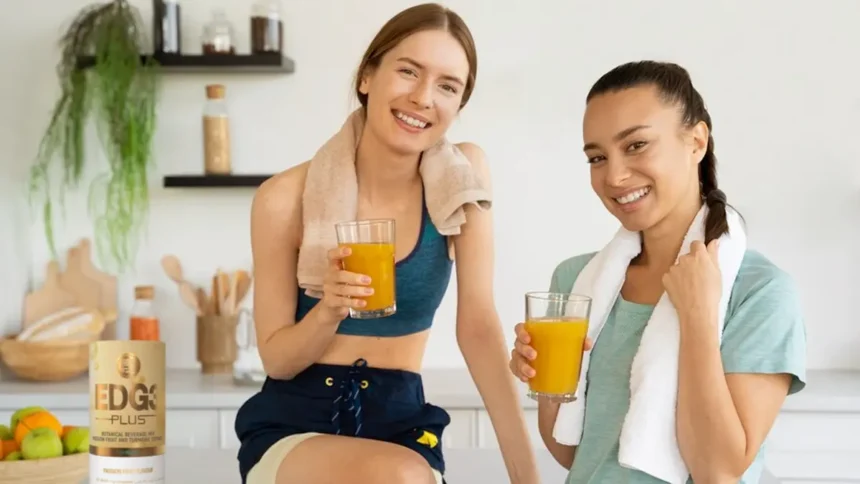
[557, 324]
[371, 243]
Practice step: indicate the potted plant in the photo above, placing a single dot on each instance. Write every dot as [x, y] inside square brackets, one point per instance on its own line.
[119, 89]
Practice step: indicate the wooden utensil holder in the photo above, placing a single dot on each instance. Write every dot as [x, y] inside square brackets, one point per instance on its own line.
[217, 348]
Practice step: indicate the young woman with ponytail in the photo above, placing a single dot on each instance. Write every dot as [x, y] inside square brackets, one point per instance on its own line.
[651, 155]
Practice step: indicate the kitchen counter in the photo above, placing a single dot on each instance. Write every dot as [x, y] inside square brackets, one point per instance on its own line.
[190, 389]
[827, 391]
[812, 440]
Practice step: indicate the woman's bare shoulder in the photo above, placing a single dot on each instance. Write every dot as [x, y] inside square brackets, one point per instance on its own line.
[284, 188]
[277, 205]
[476, 155]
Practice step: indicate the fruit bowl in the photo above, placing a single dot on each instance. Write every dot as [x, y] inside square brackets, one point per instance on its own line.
[72, 468]
[36, 448]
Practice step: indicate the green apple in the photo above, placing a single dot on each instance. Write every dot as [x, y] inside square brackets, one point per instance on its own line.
[14, 456]
[77, 441]
[41, 443]
[6, 433]
[23, 412]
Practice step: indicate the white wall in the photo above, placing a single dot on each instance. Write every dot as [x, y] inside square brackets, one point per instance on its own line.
[15, 258]
[14, 252]
[780, 79]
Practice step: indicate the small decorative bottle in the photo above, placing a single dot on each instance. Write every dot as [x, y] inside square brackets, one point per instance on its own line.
[144, 324]
[216, 132]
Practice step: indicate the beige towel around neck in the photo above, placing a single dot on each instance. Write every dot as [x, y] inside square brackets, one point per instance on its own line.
[331, 195]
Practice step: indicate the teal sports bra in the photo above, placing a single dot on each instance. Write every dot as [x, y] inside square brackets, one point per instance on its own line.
[421, 280]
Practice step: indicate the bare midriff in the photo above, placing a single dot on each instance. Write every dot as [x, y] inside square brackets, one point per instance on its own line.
[396, 353]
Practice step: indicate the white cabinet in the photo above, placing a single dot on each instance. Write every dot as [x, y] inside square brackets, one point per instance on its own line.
[227, 419]
[460, 434]
[192, 428]
[487, 435]
[813, 439]
[815, 445]
[78, 418]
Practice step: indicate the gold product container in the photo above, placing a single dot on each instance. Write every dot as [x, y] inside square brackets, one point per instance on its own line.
[127, 412]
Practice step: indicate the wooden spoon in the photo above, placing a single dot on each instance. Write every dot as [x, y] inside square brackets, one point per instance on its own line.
[173, 268]
[203, 301]
[243, 283]
[189, 295]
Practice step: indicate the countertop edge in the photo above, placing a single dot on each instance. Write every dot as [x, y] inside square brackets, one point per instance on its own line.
[828, 391]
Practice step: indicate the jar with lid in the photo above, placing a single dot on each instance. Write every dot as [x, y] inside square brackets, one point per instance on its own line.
[218, 35]
[167, 27]
[144, 324]
[216, 132]
[267, 28]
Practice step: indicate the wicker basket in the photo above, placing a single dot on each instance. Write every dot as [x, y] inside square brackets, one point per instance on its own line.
[50, 360]
[69, 469]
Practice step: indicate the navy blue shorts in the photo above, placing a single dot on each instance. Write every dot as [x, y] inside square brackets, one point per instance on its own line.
[357, 400]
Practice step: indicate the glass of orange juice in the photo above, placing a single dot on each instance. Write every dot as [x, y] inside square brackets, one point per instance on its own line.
[557, 324]
[372, 245]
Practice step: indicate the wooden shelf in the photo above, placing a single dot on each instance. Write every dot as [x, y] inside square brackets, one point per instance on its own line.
[214, 63]
[214, 181]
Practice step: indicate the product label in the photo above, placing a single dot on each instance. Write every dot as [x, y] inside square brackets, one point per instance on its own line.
[127, 412]
[126, 470]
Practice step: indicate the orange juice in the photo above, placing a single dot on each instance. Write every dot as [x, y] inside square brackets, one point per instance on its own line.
[559, 344]
[377, 261]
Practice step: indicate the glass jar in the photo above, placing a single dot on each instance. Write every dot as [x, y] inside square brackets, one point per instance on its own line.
[218, 35]
[216, 132]
[267, 28]
[143, 323]
[168, 26]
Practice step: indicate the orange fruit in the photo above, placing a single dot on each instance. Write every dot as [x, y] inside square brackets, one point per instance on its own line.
[34, 421]
[7, 447]
[66, 429]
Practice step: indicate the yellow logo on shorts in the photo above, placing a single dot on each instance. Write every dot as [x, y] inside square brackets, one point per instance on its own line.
[428, 439]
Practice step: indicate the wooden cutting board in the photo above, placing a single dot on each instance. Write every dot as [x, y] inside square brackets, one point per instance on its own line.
[49, 298]
[86, 290]
[106, 282]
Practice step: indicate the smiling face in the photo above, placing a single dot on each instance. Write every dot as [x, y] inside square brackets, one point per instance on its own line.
[415, 92]
[644, 161]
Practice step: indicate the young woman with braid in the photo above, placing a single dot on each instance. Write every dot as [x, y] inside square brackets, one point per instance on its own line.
[650, 151]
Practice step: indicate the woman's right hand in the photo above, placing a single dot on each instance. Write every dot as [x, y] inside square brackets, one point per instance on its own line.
[522, 354]
[341, 288]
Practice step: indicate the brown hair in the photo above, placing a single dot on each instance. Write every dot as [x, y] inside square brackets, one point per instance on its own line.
[427, 16]
[676, 87]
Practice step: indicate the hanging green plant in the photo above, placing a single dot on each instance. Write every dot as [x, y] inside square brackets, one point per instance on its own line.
[120, 92]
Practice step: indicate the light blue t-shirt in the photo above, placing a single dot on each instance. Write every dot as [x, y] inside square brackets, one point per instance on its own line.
[763, 333]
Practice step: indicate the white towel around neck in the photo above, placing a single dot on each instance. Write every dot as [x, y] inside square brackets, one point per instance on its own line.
[648, 440]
